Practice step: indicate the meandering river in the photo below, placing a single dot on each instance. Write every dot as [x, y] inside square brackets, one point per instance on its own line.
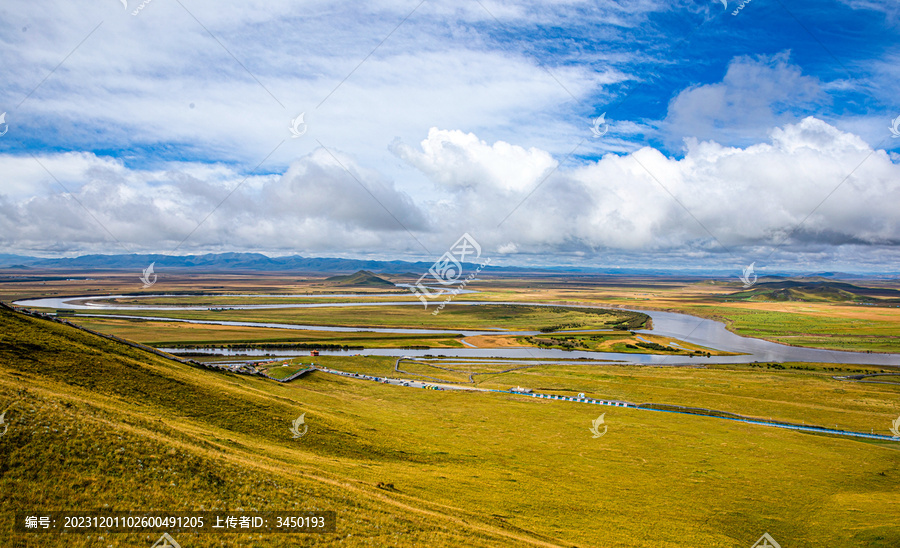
[685, 327]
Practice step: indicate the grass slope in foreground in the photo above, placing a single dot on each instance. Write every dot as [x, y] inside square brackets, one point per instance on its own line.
[95, 423]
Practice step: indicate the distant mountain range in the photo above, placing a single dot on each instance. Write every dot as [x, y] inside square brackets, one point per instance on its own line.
[257, 262]
[214, 262]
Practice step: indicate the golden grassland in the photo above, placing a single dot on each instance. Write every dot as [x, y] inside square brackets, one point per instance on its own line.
[162, 333]
[283, 370]
[839, 326]
[597, 341]
[52, 282]
[453, 317]
[828, 325]
[95, 423]
[836, 326]
[763, 391]
[624, 342]
[219, 301]
[831, 326]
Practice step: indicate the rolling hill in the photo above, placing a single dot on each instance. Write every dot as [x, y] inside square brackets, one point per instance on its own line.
[362, 278]
[93, 423]
[815, 291]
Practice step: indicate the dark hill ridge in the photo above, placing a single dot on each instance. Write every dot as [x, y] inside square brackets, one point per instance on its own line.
[829, 291]
[363, 278]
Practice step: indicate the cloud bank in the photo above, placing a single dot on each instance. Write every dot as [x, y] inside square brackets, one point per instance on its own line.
[811, 189]
[168, 130]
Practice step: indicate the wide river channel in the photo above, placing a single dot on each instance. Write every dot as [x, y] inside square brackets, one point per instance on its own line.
[708, 333]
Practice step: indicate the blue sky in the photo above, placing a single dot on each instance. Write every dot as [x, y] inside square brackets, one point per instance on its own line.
[734, 135]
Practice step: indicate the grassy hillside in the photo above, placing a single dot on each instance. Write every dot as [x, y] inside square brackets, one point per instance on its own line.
[94, 423]
[363, 278]
[97, 424]
[816, 291]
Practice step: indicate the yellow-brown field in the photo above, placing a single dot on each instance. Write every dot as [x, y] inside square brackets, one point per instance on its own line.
[839, 326]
